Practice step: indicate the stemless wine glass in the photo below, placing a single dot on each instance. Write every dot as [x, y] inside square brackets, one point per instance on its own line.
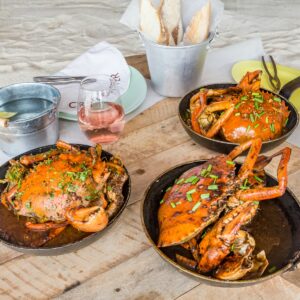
[100, 113]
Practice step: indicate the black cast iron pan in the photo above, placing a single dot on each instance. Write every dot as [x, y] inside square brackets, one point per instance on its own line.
[275, 228]
[14, 234]
[224, 146]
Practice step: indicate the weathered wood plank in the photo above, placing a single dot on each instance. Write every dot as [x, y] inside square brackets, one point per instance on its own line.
[145, 276]
[140, 63]
[40, 277]
[275, 289]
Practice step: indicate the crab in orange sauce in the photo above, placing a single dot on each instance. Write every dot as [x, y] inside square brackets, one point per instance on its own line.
[239, 113]
[65, 186]
[206, 208]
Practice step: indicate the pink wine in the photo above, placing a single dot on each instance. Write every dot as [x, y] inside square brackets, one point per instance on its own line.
[103, 123]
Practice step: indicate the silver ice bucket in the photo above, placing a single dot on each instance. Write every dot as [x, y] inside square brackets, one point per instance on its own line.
[36, 121]
[175, 70]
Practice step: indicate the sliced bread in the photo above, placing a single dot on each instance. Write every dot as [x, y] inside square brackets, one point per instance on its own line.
[171, 16]
[198, 29]
[151, 23]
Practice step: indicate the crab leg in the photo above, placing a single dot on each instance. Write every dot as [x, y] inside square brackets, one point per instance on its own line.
[265, 193]
[216, 244]
[228, 106]
[65, 146]
[27, 160]
[44, 226]
[248, 165]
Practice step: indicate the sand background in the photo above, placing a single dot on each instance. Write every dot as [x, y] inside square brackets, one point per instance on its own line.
[40, 37]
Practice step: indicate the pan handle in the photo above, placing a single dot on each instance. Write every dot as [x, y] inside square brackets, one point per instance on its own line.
[289, 88]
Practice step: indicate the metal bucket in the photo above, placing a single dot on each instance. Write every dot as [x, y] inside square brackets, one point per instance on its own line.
[36, 121]
[175, 70]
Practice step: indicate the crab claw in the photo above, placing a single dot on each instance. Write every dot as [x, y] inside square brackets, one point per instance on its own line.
[88, 219]
[251, 81]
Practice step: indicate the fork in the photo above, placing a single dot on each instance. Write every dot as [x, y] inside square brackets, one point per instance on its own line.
[274, 80]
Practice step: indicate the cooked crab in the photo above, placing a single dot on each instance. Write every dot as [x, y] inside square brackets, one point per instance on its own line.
[239, 113]
[183, 218]
[65, 186]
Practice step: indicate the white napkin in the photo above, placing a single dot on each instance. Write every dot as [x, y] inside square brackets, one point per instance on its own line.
[103, 58]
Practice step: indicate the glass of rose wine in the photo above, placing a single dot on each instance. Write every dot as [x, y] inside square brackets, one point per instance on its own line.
[100, 113]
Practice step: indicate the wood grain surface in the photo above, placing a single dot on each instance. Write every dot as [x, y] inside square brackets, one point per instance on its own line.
[122, 264]
[39, 37]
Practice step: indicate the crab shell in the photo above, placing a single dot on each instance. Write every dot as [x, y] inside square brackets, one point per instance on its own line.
[178, 218]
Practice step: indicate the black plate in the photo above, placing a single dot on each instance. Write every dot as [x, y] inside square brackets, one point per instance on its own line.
[222, 145]
[70, 239]
[275, 228]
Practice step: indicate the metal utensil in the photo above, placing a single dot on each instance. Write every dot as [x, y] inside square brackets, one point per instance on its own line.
[54, 80]
[274, 80]
[58, 79]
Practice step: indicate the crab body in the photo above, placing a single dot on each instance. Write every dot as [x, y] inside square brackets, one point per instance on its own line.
[65, 186]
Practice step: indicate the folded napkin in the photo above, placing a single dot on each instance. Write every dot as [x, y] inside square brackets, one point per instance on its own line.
[103, 58]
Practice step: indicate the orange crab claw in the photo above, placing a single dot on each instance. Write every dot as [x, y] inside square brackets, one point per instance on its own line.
[88, 219]
[251, 81]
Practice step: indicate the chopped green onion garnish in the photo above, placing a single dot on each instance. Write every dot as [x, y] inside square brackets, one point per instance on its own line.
[252, 118]
[213, 176]
[267, 120]
[109, 188]
[238, 105]
[28, 205]
[258, 100]
[248, 128]
[258, 179]
[256, 105]
[242, 187]
[203, 172]
[256, 202]
[191, 191]
[195, 180]
[196, 206]
[205, 196]
[213, 187]
[161, 201]
[277, 99]
[168, 188]
[180, 181]
[286, 121]
[190, 179]
[178, 202]
[244, 98]
[256, 125]
[173, 205]
[245, 182]
[237, 114]
[230, 162]
[272, 127]
[262, 113]
[209, 168]
[256, 94]
[189, 197]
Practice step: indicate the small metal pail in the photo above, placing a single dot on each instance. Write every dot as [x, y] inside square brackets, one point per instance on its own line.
[175, 70]
[36, 121]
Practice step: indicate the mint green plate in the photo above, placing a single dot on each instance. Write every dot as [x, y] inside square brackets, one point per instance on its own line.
[131, 100]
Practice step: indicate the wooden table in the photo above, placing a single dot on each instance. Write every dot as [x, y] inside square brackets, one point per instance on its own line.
[122, 264]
